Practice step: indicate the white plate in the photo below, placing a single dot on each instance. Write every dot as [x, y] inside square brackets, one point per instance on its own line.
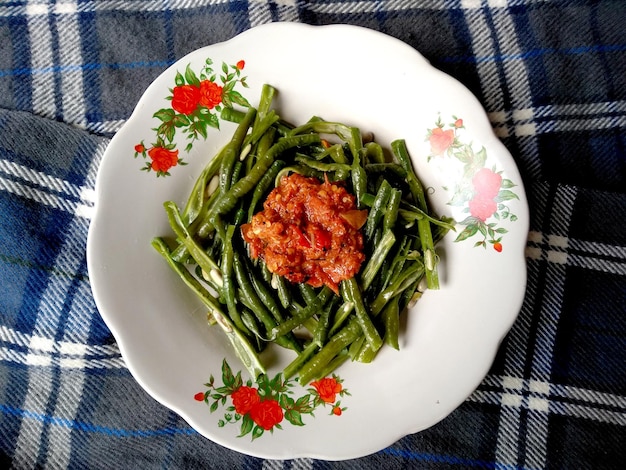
[367, 79]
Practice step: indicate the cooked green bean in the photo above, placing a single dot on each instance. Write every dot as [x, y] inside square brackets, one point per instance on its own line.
[267, 298]
[377, 210]
[231, 114]
[307, 292]
[374, 153]
[300, 169]
[317, 364]
[410, 275]
[205, 261]
[258, 308]
[300, 316]
[199, 194]
[390, 167]
[428, 247]
[391, 322]
[341, 170]
[320, 332]
[228, 285]
[371, 269]
[268, 92]
[294, 366]
[233, 150]
[411, 213]
[264, 185]
[342, 313]
[338, 360]
[352, 293]
[391, 212]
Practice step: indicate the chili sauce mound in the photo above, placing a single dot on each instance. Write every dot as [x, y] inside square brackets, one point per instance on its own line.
[308, 232]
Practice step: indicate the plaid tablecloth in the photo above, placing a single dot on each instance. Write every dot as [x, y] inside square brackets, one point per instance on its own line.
[552, 76]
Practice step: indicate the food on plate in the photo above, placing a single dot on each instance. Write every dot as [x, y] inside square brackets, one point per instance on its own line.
[309, 237]
[309, 231]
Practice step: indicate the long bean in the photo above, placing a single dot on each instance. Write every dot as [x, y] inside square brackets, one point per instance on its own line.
[408, 277]
[199, 194]
[377, 258]
[264, 184]
[314, 367]
[340, 169]
[320, 332]
[391, 213]
[377, 210]
[294, 366]
[301, 316]
[233, 150]
[352, 294]
[204, 260]
[268, 299]
[228, 285]
[282, 289]
[423, 225]
[391, 321]
[258, 308]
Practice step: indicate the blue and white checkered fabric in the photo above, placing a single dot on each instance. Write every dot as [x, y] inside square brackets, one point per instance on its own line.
[552, 76]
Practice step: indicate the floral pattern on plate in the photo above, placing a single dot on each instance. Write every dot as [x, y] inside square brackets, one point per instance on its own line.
[197, 101]
[264, 405]
[482, 192]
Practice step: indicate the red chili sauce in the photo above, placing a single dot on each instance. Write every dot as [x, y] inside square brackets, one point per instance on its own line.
[308, 231]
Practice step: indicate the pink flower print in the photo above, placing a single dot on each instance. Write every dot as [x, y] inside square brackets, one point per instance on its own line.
[482, 207]
[487, 183]
[440, 140]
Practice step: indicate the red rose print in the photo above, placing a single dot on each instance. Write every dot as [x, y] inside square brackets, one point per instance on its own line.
[498, 247]
[482, 207]
[185, 98]
[210, 94]
[267, 414]
[265, 404]
[487, 183]
[162, 158]
[195, 103]
[327, 388]
[244, 399]
[440, 140]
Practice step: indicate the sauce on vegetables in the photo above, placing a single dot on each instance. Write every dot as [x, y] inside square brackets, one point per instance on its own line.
[308, 231]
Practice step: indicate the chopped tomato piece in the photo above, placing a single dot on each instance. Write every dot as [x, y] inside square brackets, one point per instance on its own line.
[303, 241]
[321, 239]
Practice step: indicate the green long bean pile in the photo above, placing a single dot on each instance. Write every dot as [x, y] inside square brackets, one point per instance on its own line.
[254, 307]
